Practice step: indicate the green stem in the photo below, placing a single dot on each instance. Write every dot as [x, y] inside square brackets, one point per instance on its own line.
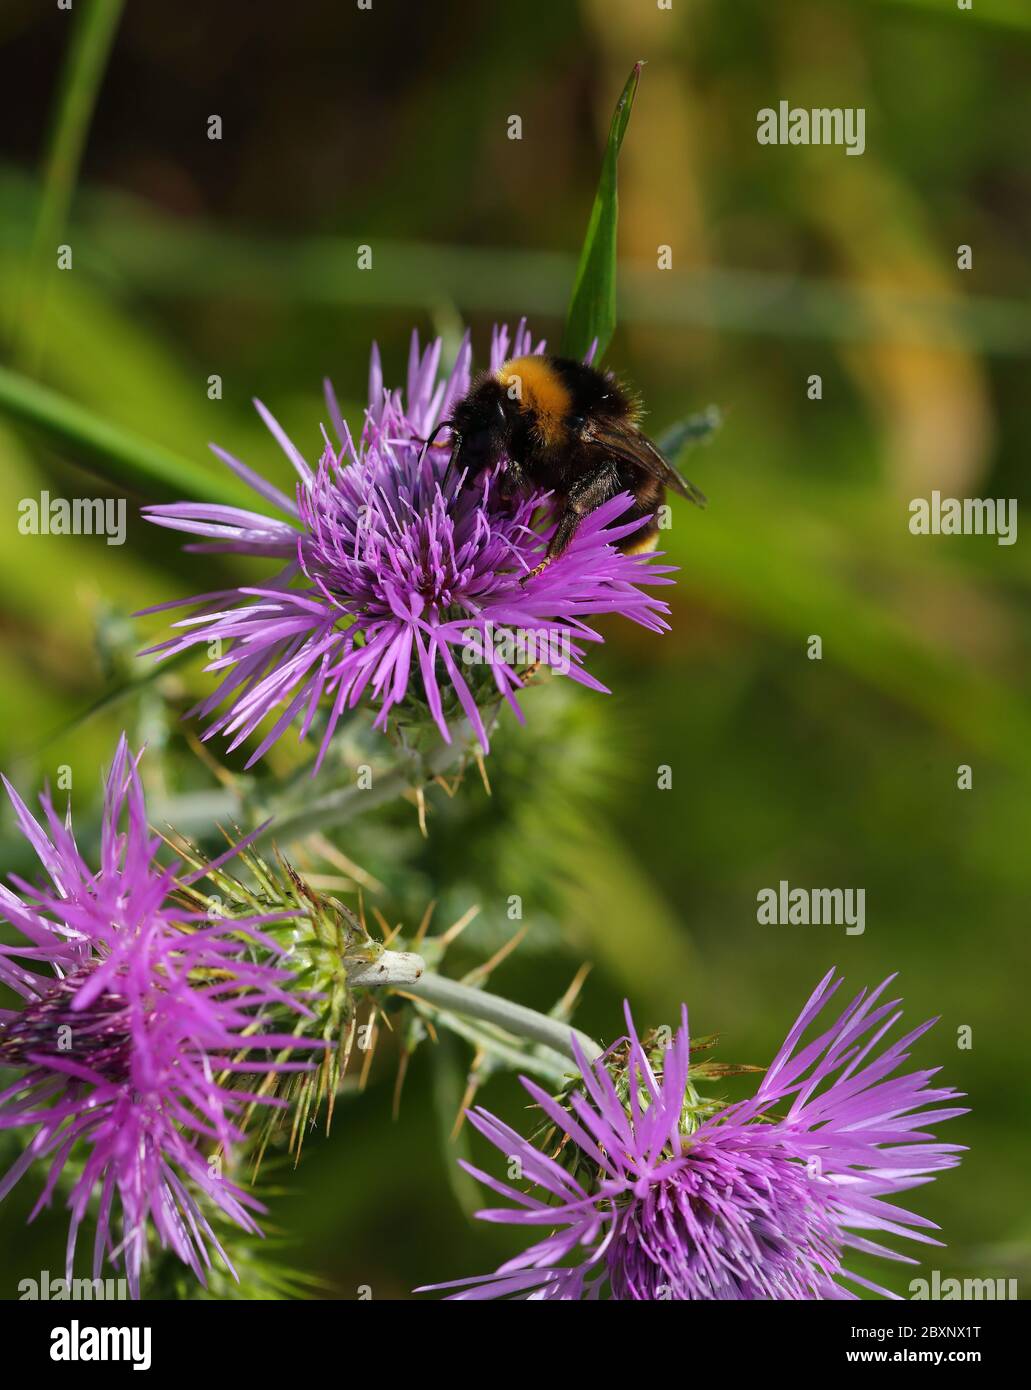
[88, 51]
[342, 804]
[543, 1062]
[406, 972]
[514, 1018]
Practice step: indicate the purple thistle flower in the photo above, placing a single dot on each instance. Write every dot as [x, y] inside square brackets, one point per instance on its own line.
[759, 1201]
[396, 587]
[135, 1013]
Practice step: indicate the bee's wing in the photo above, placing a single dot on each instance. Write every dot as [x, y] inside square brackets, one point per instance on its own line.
[634, 447]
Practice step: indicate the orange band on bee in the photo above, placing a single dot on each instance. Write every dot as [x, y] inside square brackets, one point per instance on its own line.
[534, 383]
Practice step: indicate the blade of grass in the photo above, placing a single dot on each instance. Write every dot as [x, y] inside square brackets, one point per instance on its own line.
[112, 697]
[88, 51]
[118, 456]
[159, 257]
[592, 309]
[448, 1084]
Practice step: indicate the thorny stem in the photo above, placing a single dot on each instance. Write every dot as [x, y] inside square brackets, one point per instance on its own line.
[395, 969]
[290, 820]
[342, 804]
[536, 1060]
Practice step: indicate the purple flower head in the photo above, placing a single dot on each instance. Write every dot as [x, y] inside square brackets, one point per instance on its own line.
[135, 1014]
[760, 1200]
[399, 586]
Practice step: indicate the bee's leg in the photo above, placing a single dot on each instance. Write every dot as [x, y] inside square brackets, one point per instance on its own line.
[511, 480]
[585, 496]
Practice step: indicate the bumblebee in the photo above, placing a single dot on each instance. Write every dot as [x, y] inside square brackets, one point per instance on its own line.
[569, 428]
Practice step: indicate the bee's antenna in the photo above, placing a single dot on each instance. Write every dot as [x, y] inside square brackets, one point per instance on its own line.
[442, 425]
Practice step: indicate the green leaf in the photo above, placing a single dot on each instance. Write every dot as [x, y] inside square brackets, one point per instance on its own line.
[693, 429]
[592, 309]
[118, 456]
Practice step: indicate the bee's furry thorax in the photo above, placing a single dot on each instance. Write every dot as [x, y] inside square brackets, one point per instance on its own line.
[560, 393]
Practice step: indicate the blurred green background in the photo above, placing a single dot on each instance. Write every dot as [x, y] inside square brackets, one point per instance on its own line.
[389, 127]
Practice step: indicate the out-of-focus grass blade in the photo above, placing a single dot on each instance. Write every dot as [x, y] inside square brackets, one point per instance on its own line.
[791, 579]
[161, 257]
[606, 888]
[592, 310]
[113, 696]
[123, 459]
[88, 51]
[448, 1079]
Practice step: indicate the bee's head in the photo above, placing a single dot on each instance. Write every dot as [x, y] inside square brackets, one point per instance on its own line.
[480, 429]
